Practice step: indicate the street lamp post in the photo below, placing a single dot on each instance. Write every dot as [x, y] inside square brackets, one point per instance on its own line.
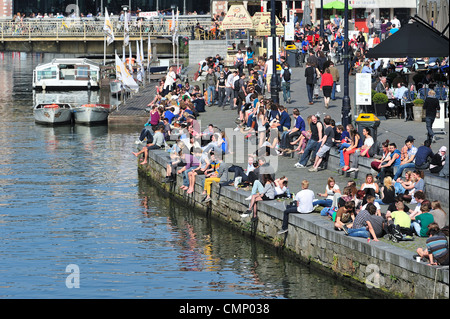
[274, 81]
[321, 19]
[346, 108]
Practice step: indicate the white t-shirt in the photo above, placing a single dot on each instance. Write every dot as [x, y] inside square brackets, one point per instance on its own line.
[330, 192]
[305, 200]
[280, 190]
[368, 141]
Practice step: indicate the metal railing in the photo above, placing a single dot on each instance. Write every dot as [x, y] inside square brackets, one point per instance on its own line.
[76, 29]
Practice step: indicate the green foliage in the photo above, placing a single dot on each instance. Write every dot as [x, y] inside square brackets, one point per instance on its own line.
[380, 98]
[418, 102]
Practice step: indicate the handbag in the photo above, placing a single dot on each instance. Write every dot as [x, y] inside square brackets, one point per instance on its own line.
[338, 88]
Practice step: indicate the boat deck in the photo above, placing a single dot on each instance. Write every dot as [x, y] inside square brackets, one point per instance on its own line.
[133, 110]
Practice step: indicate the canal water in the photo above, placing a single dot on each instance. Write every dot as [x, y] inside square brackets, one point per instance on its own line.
[76, 220]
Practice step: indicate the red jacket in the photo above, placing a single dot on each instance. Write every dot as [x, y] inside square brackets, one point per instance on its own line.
[327, 80]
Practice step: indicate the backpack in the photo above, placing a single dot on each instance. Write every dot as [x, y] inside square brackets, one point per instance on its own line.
[236, 85]
[286, 75]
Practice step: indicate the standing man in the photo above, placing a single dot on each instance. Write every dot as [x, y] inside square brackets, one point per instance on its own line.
[310, 75]
[210, 81]
[431, 106]
[285, 76]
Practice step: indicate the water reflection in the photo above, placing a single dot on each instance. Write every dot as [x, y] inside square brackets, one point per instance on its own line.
[240, 265]
[71, 195]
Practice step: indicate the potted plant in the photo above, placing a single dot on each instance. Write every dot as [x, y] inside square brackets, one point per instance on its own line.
[380, 101]
[418, 110]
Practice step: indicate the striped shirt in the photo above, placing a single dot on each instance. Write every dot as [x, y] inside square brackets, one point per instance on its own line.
[438, 246]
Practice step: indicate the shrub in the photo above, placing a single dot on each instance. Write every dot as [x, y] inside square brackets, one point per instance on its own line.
[418, 102]
[380, 98]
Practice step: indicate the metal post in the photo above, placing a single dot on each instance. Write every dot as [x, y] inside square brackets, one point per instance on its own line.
[346, 108]
[321, 18]
[274, 83]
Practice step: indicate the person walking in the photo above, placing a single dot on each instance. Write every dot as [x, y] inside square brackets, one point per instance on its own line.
[285, 76]
[310, 75]
[335, 73]
[250, 57]
[210, 81]
[431, 106]
[221, 89]
[326, 85]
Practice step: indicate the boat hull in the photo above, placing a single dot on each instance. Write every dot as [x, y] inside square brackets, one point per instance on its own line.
[53, 116]
[90, 115]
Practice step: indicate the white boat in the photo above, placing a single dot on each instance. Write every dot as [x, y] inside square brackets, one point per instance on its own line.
[56, 113]
[63, 73]
[91, 113]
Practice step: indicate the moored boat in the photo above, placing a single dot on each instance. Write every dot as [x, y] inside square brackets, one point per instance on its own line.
[56, 113]
[91, 113]
[65, 73]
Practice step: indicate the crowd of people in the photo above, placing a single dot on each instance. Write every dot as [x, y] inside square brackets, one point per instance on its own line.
[396, 179]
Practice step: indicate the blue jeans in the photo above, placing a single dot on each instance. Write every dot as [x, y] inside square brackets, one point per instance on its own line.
[429, 123]
[399, 189]
[380, 201]
[211, 89]
[286, 86]
[333, 91]
[415, 225]
[310, 150]
[323, 202]
[401, 168]
[358, 232]
[310, 90]
[341, 151]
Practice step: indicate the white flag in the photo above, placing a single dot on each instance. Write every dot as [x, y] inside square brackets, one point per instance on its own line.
[126, 31]
[124, 76]
[130, 59]
[139, 62]
[108, 29]
[149, 52]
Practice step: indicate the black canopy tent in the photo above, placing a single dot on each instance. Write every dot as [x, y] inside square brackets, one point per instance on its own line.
[414, 40]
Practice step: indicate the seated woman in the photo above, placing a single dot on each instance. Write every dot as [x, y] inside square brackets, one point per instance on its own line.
[331, 189]
[363, 150]
[387, 192]
[403, 186]
[267, 193]
[369, 186]
[281, 186]
[356, 143]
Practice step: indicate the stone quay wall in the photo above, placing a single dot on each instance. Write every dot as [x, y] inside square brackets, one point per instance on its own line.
[381, 267]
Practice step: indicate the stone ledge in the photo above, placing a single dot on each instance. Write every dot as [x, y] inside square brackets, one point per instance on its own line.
[313, 235]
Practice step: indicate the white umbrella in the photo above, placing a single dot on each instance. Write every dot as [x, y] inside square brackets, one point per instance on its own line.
[442, 19]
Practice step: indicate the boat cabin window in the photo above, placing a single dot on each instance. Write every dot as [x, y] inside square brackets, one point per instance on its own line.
[46, 74]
